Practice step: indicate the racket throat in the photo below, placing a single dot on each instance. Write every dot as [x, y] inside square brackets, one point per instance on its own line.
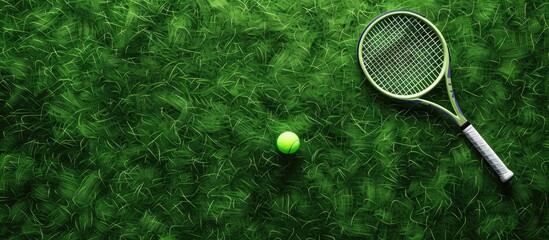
[457, 117]
[452, 95]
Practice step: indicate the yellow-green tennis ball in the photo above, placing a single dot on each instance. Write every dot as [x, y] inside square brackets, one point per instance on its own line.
[288, 142]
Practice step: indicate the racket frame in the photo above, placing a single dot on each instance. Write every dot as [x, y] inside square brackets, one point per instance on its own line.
[456, 116]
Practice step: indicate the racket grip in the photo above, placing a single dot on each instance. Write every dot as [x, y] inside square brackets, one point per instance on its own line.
[480, 144]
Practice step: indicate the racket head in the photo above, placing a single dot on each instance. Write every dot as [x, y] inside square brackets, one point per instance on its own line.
[402, 54]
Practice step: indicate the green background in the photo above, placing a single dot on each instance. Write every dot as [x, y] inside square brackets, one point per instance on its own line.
[158, 120]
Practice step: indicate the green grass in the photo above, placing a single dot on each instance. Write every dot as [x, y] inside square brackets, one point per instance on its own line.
[158, 120]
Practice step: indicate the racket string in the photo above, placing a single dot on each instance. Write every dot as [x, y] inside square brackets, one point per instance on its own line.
[385, 42]
[403, 55]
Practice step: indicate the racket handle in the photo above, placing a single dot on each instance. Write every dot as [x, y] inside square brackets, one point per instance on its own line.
[504, 173]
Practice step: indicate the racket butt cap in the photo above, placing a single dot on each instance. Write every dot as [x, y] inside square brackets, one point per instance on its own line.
[506, 176]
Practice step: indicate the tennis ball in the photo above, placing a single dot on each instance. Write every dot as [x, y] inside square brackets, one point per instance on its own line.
[288, 142]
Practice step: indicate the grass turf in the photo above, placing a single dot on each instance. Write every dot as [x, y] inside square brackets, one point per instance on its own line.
[158, 120]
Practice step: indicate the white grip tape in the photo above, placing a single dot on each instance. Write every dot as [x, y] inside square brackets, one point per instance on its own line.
[504, 173]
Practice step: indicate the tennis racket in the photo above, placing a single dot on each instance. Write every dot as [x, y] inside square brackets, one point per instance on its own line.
[404, 56]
